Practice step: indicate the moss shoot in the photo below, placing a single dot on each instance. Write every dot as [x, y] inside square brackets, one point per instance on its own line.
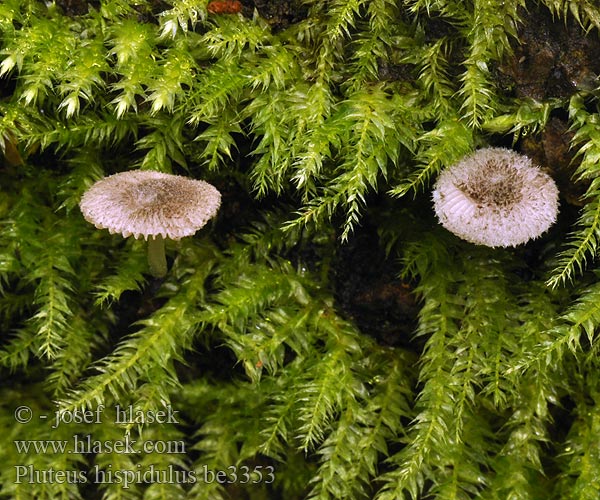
[323, 337]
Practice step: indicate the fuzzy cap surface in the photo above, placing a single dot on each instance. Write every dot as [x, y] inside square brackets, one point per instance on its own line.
[146, 203]
[495, 197]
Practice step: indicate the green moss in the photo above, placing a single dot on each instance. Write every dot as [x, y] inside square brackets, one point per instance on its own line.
[330, 120]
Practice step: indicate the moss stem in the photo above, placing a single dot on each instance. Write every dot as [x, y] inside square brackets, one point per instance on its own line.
[156, 256]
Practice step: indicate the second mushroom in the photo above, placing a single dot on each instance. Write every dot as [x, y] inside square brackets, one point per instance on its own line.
[152, 205]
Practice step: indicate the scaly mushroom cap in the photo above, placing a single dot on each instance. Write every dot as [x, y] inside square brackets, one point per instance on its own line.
[145, 203]
[495, 197]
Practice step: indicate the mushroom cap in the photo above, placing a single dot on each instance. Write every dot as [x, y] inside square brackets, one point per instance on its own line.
[145, 203]
[496, 197]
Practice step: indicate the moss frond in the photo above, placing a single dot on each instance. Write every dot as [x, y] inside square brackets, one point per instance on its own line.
[284, 332]
[489, 34]
[578, 459]
[367, 116]
[584, 241]
[159, 341]
[584, 11]
[575, 327]
[440, 147]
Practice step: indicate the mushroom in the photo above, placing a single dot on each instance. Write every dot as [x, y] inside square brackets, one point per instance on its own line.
[152, 205]
[496, 197]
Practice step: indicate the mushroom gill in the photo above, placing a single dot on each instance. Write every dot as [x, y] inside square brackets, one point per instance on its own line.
[151, 205]
[495, 197]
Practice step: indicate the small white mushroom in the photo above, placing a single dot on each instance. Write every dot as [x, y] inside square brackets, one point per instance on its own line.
[152, 205]
[496, 197]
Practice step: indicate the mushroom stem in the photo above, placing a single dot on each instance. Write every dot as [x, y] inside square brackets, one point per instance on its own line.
[156, 256]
